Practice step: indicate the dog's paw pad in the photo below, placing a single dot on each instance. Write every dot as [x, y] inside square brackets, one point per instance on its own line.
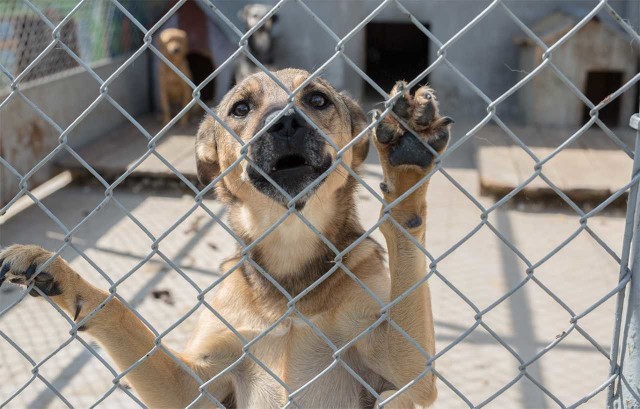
[415, 221]
[409, 150]
[19, 264]
[429, 135]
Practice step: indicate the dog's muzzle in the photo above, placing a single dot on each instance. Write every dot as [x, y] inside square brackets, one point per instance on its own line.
[292, 154]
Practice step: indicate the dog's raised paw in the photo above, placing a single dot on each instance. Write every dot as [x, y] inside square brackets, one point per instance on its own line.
[19, 265]
[398, 145]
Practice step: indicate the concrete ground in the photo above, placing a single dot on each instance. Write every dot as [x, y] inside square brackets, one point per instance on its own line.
[482, 268]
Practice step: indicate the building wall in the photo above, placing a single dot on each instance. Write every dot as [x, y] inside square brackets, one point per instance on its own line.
[486, 54]
[26, 138]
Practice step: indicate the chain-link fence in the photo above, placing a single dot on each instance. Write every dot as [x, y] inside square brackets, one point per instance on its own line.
[55, 36]
[94, 32]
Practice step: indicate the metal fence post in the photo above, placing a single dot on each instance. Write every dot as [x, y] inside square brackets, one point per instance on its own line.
[630, 391]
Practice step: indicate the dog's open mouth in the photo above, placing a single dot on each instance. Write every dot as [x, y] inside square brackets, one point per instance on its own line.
[292, 172]
[290, 163]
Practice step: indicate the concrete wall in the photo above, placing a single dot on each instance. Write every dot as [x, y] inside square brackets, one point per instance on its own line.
[26, 138]
[486, 54]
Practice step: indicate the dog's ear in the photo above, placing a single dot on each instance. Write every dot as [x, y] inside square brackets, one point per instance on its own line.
[207, 161]
[161, 41]
[181, 35]
[358, 124]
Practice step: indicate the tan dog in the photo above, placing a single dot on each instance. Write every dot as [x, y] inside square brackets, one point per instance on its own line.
[173, 90]
[293, 154]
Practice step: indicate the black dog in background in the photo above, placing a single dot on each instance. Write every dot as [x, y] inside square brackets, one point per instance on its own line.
[260, 42]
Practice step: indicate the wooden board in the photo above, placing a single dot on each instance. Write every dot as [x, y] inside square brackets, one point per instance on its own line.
[590, 169]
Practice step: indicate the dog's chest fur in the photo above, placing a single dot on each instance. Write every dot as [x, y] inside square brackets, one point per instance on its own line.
[173, 83]
[294, 351]
[296, 354]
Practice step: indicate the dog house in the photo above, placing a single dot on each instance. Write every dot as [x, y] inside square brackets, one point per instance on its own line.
[209, 46]
[598, 60]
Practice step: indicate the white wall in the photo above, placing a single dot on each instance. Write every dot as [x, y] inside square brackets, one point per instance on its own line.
[26, 138]
[486, 54]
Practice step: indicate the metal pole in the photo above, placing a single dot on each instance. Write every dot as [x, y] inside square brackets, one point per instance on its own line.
[630, 391]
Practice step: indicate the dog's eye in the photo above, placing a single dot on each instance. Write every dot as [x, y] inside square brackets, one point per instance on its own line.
[318, 100]
[240, 109]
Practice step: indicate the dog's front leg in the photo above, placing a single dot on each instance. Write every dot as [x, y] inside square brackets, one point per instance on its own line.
[405, 162]
[159, 380]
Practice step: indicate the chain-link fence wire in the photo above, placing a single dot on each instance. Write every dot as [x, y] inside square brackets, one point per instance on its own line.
[59, 42]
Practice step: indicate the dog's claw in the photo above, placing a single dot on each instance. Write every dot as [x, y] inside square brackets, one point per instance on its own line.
[30, 271]
[3, 270]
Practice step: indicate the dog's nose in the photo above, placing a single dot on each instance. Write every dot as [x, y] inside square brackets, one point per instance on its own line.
[287, 125]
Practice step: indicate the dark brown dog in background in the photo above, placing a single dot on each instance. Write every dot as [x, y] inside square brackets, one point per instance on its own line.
[174, 45]
[294, 154]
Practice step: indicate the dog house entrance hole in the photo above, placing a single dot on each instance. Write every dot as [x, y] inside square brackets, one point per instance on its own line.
[201, 67]
[395, 51]
[600, 84]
